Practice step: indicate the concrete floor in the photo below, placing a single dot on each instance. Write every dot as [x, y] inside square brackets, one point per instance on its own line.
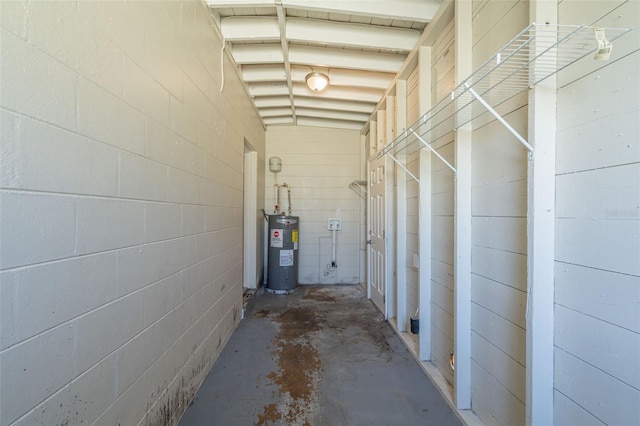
[320, 356]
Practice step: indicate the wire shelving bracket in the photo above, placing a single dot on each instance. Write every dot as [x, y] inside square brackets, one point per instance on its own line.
[360, 188]
[538, 52]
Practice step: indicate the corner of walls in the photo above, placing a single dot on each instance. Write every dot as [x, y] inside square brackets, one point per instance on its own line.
[319, 164]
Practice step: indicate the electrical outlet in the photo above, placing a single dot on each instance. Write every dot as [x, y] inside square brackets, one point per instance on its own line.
[334, 224]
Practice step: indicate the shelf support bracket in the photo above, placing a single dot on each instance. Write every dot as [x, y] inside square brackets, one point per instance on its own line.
[493, 112]
[432, 150]
[361, 191]
[403, 167]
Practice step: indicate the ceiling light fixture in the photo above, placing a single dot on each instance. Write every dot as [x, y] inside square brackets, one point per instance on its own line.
[317, 81]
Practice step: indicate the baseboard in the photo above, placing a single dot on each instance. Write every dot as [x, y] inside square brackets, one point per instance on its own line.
[467, 417]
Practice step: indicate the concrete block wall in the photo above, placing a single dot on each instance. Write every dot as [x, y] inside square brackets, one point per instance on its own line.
[320, 164]
[597, 293]
[121, 209]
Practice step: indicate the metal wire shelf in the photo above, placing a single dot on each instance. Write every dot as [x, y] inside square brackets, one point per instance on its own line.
[360, 188]
[538, 52]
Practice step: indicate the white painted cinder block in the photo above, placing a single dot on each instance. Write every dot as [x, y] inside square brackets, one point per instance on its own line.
[35, 228]
[85, 397]
[14, 18]
[104, 224]
[98, 109]
[27, 370]
[36, 84]
[45, 288]
[193, 220]
[121, 217]
[144, 93]
[141, 178]
[58, 30]
[104, 330]
[38, 156]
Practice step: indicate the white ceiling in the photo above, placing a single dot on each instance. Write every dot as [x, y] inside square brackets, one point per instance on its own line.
[359, 44]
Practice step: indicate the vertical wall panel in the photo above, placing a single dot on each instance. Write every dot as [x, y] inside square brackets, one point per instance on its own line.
[597, 328]
[413, 200]
[499, 202]
[442, 195]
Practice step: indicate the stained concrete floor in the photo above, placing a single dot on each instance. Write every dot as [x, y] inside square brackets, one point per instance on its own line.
[320, 356]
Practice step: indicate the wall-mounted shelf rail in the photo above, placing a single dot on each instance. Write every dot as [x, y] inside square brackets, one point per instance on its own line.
[535, 54]
[360, 188]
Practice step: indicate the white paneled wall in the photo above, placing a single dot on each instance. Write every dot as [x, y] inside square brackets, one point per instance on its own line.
[442, 211]
[597, 322]
[319, 164]
[597, 277]
[121, 209]
[413, 201]
[499, 235]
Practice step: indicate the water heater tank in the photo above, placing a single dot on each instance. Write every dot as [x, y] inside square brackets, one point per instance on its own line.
[282, 270]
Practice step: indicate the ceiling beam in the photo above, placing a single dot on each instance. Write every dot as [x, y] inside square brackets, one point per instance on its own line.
[444, 15]
[343, 77]
[350, 34]
[272, 101]
[237, 28]
[336, 124]
[285, 53]
[278, 120]
[337, 77]
[336, 92]
[257, 53]
[239, 3]
[338, 115]
[269, 89]
[408, 10]
[275, 112]
[264, 72]
[341, 58]
[333, 104]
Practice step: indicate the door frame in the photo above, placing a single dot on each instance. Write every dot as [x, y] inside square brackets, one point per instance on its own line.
[389, 235]
[250, 211]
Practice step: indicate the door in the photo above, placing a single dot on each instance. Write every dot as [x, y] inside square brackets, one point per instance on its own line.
[251, 219]
[376, 231]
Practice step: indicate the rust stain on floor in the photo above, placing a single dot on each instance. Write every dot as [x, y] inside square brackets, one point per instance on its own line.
[319, 294]
[262, 313]
[298, 368]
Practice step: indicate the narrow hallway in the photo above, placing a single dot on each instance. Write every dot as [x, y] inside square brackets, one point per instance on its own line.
[320, 356]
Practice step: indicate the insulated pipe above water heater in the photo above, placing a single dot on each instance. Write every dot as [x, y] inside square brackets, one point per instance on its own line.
[275, 166]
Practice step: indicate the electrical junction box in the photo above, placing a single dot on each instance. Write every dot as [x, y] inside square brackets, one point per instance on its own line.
[334, 225]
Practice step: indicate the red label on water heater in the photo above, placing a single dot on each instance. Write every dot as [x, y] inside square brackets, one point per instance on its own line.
[276, 238]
